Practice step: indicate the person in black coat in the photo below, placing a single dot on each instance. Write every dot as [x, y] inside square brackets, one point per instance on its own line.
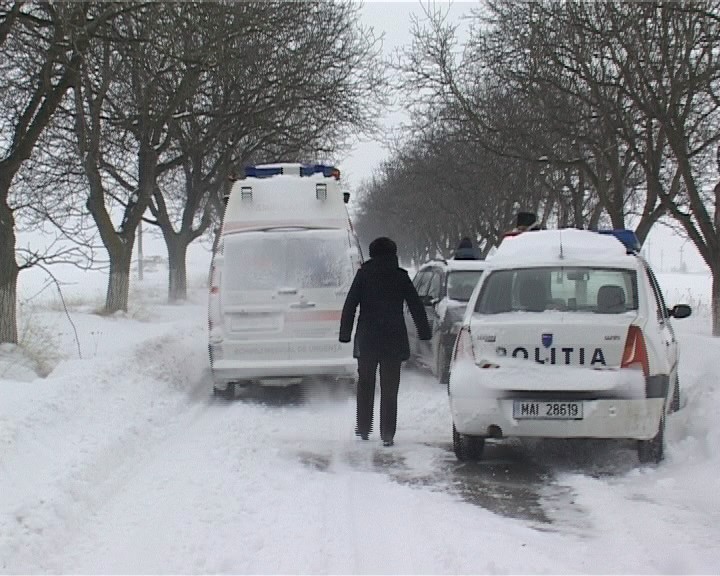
[380, 288]
[466, 251]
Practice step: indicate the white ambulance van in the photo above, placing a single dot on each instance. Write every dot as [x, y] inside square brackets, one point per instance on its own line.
[567, 335]
[278, 280]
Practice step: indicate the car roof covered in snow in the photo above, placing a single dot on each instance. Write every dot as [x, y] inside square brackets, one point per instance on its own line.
[461, 264]
[285, 201]
[566, 247]
[452, 264]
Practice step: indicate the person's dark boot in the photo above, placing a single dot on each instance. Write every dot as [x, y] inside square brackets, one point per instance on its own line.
[362, 435]
[387, 442]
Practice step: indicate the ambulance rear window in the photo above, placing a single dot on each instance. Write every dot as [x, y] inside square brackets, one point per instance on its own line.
[300, 259]
[582, 289]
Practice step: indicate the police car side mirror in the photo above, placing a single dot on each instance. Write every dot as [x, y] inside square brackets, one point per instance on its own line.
[427, 300]
[680, 311]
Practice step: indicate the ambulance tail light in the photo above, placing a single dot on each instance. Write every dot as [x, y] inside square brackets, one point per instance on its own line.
[635, 353]
[214, 312]
[463, 346]
[214, 280]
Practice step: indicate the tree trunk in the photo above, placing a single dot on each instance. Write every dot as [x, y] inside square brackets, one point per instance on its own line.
[715, 259]
[119, 282]
[8, 275]
[177, 269]
[715, 301]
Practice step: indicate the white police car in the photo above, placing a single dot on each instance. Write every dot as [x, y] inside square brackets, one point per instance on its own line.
[567, 335]
[444, 286]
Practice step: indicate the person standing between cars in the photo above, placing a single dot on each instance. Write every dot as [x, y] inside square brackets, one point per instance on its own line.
[380, 288]
[524, 221]
[466, 251]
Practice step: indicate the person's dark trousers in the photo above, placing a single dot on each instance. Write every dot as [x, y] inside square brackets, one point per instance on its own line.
[389, 384]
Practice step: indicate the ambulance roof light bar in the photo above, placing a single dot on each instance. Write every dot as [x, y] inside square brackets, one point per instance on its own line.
[269, 170]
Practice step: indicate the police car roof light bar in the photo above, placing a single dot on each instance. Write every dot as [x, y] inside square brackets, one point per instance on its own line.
[627, 237]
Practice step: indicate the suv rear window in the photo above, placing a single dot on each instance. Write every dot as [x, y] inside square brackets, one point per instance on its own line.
[281, 259]
[585, 289]
[461, 283]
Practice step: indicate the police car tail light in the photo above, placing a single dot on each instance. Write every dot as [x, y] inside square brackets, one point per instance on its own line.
[463, 345]
[635, 353]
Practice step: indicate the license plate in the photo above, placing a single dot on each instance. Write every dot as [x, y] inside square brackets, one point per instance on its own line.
[254, 322]
[315, 348]
[547, 410]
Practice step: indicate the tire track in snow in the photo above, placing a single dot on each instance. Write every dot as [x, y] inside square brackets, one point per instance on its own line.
[96, 416]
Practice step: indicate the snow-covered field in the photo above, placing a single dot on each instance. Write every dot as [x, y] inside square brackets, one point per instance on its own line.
[120, 461]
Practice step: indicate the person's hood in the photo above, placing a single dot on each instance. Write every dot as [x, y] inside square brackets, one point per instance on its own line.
[386, 262]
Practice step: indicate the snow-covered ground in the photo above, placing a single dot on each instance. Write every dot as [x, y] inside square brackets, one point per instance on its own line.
[120, 461]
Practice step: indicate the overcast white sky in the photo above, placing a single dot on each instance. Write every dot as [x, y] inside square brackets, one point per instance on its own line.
[391, 21]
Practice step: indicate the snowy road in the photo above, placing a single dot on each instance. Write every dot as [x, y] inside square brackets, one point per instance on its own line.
[123, 463]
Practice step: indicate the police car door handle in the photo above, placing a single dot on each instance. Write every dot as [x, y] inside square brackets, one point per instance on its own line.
[287, 291]
[303, 305]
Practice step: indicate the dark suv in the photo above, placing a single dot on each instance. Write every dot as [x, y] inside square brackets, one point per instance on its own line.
[444, 287]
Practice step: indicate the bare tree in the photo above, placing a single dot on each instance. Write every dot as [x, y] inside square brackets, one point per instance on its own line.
[654, 76]
[539, 108]
[440, 187]
[191, 91]
[41, 47]
[280, 81]
[624, 93]
[130, 88]
[671, 73]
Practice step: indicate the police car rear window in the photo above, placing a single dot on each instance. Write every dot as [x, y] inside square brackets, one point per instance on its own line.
[578, 289]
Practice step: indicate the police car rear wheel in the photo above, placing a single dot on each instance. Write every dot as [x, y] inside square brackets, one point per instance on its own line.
[652, 451]
[467, 448]
[443, 365]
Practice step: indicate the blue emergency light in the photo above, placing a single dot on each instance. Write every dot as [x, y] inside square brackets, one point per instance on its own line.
[324, 169]
[261, 171]
[627, 237]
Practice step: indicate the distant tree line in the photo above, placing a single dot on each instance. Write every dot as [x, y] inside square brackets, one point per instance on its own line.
[117, 113]
[588, 113]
